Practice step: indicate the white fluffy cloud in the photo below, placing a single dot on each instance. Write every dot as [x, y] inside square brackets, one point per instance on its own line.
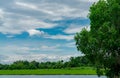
[14, 53]
[63, 37]
[21, 24]
[33, 32]
[71, 45]
[19, 16]
[56, 9]
[75, 28]
[50, 48]
[37, 57]
[17, 49]
[1, 13]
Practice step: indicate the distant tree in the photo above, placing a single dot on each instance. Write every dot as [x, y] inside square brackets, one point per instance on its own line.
[1, 66]
[17, 65]
[26, 65]
[4, 67]
[73, 62]
[101, 45]
[33, 65]
[59, 64]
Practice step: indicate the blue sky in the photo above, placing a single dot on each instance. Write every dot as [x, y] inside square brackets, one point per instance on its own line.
[41, 30]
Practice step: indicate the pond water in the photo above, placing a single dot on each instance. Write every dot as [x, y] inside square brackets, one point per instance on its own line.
[50, 76]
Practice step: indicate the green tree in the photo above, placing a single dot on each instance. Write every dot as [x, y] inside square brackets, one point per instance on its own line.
[101, 45]
[17, 65]
[33, 65]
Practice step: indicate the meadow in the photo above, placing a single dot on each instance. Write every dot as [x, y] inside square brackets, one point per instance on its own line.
[71, 71]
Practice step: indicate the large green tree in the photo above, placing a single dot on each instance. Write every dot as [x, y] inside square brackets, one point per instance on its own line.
[101, 45]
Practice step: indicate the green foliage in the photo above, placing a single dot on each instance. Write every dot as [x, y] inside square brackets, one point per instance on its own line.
[101, 45]
[73, 62]
[33, 65]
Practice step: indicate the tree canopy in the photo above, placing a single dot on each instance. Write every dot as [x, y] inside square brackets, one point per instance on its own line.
[73, 62]
[101, 45]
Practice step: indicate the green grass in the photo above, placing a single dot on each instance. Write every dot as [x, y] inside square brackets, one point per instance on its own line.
[71, 71]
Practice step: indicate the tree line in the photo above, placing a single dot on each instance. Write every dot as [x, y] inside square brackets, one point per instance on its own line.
[73, 62]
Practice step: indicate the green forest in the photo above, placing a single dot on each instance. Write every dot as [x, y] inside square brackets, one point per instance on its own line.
[73, 62]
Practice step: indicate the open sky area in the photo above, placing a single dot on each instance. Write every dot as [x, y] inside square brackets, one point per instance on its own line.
[41, 30]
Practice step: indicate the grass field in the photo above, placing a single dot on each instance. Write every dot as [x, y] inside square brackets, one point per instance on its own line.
[73, 71]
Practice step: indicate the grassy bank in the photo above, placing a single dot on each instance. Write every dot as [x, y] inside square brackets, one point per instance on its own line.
[73, 71]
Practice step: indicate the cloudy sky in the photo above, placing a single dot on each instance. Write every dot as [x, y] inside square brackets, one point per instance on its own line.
[41, 30]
